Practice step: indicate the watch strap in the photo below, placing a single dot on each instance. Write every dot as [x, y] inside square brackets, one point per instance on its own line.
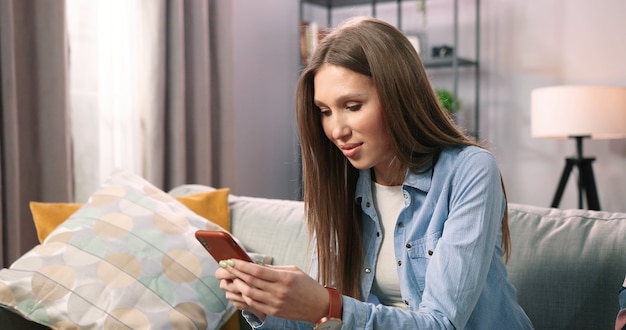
[335, 310]
[335, 303]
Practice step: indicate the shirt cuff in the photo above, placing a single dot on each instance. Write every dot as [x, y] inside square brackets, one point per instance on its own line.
[270, 322]
[252, 319]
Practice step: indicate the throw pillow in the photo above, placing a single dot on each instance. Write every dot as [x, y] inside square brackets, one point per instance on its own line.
[48, 216]
[127, 259]
[211, 205]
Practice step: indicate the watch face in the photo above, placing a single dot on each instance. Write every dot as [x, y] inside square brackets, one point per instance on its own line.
[329, 324]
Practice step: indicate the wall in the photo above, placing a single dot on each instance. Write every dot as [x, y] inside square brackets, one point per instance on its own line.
[530, 44]
[258, 55]
[526, 45]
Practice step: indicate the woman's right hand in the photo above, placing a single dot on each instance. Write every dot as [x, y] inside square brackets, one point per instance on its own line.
[281, 291]
[228, 285]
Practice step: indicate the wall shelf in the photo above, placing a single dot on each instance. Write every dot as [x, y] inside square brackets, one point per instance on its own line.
[447, 62]
[343, 3]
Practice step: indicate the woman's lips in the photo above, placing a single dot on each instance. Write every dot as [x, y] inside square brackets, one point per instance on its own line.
[349, 150]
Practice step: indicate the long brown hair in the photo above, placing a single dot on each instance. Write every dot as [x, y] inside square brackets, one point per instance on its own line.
[418, 126]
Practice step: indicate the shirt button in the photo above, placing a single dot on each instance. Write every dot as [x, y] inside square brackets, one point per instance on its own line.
[367, 270]
[406, 302]
[408, 245]
[399, 263]
[367, 204]
[400, 224]
[378, 234]
[430, 252]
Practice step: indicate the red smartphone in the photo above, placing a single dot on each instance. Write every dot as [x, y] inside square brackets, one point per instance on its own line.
[221, 245]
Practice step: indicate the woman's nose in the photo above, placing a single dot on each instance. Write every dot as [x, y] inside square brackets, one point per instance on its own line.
[340, 128]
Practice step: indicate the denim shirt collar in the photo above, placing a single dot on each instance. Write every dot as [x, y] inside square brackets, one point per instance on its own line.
[421, 181]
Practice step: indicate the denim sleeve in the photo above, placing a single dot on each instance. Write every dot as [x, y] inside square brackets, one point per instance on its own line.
[356, 315]
[622, 296]
[620, 321]
[275, 322]
[361, 315]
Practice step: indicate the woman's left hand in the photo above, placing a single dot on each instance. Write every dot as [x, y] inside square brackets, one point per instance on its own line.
[281, 291]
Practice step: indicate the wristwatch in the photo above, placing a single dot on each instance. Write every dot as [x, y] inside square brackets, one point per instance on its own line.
[335, 309]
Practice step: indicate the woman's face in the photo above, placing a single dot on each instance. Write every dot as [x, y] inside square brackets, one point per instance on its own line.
[352, 118]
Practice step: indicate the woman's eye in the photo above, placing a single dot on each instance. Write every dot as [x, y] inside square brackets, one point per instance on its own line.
[354, 107]
[325, 112]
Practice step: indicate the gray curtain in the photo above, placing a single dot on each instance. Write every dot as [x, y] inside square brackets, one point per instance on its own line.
[35, 141]
[184, 138]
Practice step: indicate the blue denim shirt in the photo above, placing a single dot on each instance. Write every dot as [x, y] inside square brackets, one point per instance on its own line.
[447, 248]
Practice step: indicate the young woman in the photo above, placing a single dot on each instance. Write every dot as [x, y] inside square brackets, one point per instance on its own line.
[408, 215]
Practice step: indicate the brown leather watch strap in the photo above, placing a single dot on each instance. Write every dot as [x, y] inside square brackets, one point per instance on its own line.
[335, 311]
[335, 305]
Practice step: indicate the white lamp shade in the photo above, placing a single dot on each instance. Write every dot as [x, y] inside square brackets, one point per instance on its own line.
[598, 112]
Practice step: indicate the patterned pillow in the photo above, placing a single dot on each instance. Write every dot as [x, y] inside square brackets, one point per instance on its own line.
[128, 258]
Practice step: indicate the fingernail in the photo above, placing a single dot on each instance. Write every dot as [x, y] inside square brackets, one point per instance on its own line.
[223, 263]
[230, 262]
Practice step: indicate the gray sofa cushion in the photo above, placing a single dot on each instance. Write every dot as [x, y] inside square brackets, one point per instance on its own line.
[567, 265]
[272, 227]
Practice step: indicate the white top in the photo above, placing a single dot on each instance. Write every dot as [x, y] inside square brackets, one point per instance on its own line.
[388, 201]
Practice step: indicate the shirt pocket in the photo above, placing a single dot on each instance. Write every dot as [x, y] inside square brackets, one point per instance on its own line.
[420, 252]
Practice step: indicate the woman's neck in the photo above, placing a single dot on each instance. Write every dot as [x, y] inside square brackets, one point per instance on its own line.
[391, 177]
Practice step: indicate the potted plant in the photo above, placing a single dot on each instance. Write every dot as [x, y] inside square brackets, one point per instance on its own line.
[447, 99]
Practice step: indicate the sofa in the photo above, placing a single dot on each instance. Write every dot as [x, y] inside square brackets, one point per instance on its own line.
[128, 258]
[567, 265]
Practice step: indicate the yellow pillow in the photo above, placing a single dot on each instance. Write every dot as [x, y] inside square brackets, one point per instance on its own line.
[48, 216]
[212, 205]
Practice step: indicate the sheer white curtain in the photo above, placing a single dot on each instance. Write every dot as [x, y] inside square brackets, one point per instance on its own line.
[141, 73]
[114, 84]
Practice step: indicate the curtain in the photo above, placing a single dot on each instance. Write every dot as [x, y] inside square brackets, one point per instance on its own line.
[35, 141]
[180, 122]
[183, 133]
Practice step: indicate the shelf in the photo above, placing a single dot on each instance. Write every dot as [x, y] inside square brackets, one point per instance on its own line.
[343, 3]
[446, 62]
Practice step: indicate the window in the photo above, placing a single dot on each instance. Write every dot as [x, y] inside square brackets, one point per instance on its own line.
[112, 56]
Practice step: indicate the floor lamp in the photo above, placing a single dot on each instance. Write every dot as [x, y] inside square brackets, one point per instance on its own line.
[579, 112]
